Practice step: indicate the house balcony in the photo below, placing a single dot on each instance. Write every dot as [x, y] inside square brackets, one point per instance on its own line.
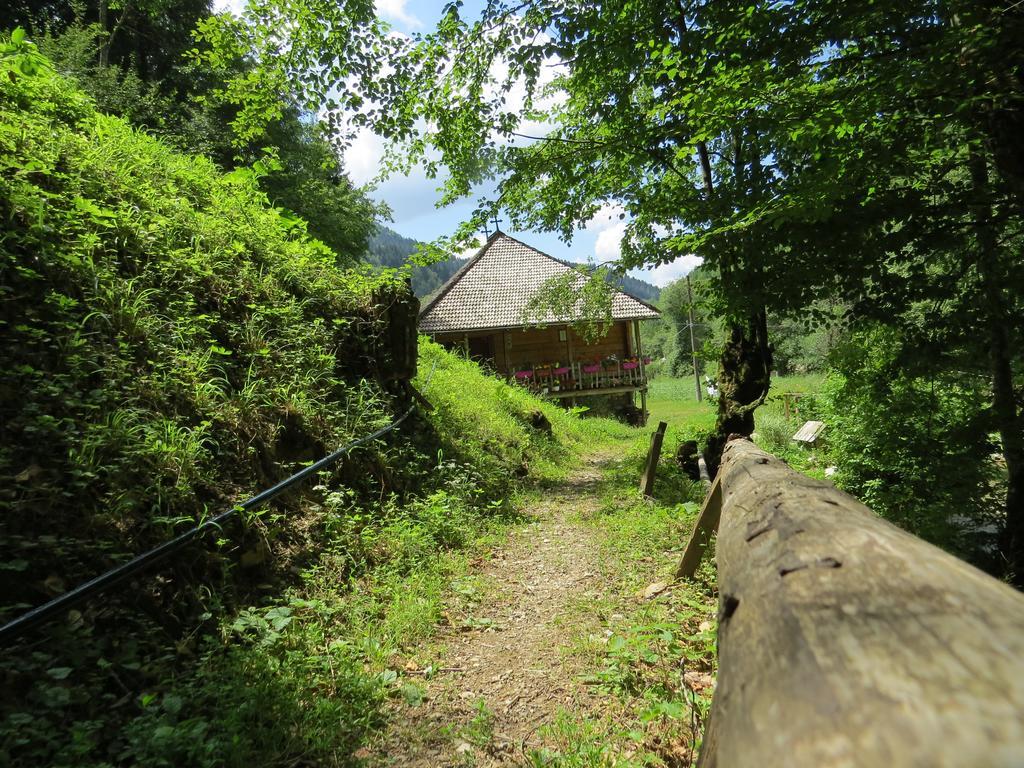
[583, 379]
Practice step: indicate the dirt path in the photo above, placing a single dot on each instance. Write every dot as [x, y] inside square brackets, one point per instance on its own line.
[506, 673]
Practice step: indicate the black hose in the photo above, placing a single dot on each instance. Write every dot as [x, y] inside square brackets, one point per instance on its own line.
[17, 627]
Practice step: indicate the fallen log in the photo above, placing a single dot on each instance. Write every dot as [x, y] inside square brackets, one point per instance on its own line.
[845, 641]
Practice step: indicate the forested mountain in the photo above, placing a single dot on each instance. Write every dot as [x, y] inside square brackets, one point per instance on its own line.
[639, 288]
[387, 248]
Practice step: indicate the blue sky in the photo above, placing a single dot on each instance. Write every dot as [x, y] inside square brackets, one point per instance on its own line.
[413, 198]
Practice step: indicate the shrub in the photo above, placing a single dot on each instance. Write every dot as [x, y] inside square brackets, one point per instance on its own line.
[916, 448]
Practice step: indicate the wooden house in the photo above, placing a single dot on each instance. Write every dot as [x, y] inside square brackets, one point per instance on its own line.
[483, 309]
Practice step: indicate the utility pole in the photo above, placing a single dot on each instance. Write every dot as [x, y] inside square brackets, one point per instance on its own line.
[693, 344]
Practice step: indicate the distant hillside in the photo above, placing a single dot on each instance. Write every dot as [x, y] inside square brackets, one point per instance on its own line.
[639, 288]
[390, 249]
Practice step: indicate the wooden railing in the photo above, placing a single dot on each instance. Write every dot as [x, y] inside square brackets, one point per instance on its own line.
[845, 641]
[581, 378]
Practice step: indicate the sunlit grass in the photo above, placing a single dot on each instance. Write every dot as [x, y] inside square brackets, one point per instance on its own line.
[674, 401]
[810, 382]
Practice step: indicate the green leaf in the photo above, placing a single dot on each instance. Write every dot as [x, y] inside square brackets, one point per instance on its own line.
[671, 709]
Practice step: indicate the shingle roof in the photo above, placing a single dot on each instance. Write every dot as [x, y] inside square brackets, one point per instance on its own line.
[493, 289]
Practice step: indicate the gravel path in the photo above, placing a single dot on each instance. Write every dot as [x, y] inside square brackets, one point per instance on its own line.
[506, 672]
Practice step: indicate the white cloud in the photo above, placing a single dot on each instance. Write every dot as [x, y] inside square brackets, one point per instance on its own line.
[363, 156]
[607, 216]
[609, 242]
[235, 7]
[663, 274]
[394, 10]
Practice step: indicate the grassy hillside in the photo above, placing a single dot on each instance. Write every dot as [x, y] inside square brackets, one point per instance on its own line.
[169, 345]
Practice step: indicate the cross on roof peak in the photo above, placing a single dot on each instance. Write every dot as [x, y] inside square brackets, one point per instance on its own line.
[497, 226]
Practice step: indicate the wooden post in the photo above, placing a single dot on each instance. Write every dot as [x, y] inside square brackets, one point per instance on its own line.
[693, 343]
[640, 353]
[643, 373]
[650, 469]
[400, 310]
[707, 524]
[845, 641]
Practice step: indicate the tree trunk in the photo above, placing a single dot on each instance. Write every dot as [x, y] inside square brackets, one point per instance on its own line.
[104, 26]
[1004, 401]
[1004, 405]
[744, 376]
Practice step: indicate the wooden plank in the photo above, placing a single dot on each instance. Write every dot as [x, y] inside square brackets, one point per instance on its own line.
[592, 392]
[809, 432]
[845, 641]
[706, 525]
[651, 467]
[419, 398]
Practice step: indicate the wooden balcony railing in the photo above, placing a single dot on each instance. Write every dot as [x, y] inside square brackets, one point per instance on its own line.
[580, 379]
[845, 641]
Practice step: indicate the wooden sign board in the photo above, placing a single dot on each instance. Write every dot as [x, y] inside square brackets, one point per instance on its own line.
[809, 432]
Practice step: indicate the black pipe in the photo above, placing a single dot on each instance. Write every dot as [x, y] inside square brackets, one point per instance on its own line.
[17, 627]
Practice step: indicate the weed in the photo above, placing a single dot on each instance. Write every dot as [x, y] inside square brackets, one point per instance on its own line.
[479, 731]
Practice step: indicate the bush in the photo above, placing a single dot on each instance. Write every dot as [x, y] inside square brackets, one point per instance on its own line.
[169, 345]
[915, 448]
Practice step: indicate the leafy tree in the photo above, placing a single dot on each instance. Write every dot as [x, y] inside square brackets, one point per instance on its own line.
[671, 338]
[180, 102]
[915, 445]
[147, 36]
[803, 341]
[721, 136]
[310, 180]
[862, 151]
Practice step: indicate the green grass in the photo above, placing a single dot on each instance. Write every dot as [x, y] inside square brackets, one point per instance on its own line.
[674, 400]
[774, 430]
[810, 383]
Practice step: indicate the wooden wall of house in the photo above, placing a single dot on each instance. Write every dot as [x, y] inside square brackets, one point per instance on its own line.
[616, 343]
[520, 348]
[536, 346]
[498, 347]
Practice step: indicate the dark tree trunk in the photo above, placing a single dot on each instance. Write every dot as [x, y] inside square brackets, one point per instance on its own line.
[104, 56]
[1004, 405]
[1004, 400]
[744, 376]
